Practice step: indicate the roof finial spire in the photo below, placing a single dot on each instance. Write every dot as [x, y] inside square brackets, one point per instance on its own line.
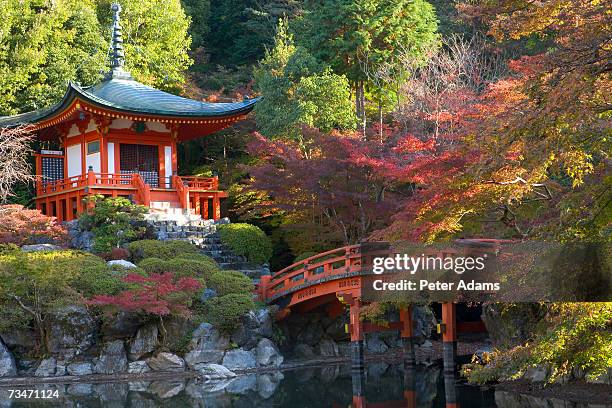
[117, 54]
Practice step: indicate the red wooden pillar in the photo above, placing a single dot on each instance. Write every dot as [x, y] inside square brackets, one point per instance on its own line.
[449, 335]
[216, 207]
[196, 204]
[58, 209]
[406, 334]
[205, 208]
[68, 207]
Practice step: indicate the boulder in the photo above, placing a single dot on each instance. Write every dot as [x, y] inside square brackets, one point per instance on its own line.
[70, 331]
[268, 354]
[79, 239]
[239, 359]
[328, 348]
[20, 339]
[253, 326]
[538, 373]
[81, 368]
[138, 367]
[113, 359]
[215, 372]
[208, 294]
[121, 325]
[8, 367]
[41, 247]
[311, 334]
[166, 362]
[145, 341]
[46, 368]
[122, 263]
[207, 346]
[304, 351]
[375, 345]
[424, 321]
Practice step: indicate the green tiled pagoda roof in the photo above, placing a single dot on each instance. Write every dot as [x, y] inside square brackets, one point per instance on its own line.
[130, 96]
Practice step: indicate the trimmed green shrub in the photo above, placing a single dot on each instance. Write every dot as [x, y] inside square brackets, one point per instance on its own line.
[247, 240]
[113, 221]
[181, 267]
[225, 311]
[226, 282]
[152, 248]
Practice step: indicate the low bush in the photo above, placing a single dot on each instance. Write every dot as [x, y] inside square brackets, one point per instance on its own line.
[151, 248]
[225, 311]
[33, 284]
[113, 222]
[21, 226]
[201, 268]
[247, 240]
[572, 335]
[226, 282]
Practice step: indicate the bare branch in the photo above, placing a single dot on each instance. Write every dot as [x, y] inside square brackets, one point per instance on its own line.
[14, 166]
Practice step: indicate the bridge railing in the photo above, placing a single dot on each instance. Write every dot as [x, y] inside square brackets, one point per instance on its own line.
[341, 261]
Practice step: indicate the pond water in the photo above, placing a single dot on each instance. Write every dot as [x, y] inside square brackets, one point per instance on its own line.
[380, 386]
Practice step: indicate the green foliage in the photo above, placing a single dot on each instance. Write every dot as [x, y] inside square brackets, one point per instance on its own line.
[199, 12]
[152, 248]
[113, 222]
[346, 33]
[33, 284]
[226, 282]
[577, 335]
[225, 311]
[246, 240]
[240, 30]
[45, 44]
[201, 268]
[298, 90]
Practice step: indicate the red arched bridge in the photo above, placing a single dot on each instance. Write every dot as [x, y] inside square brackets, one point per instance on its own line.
[337, 278]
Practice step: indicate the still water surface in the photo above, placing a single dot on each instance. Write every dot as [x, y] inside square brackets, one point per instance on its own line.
[380, 386]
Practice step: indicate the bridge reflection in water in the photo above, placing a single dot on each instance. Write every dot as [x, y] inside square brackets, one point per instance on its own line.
[360, 399]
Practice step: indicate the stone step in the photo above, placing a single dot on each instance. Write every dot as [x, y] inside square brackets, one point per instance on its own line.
[238, 266]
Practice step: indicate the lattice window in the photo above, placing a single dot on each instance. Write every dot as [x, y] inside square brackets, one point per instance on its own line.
[142, 159]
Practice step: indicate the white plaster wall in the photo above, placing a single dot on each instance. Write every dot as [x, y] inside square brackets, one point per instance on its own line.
[111, 157]
[73, 131]
[73, 154]
[157, 127]
[168, 164]
[121, 123]
[93, 160]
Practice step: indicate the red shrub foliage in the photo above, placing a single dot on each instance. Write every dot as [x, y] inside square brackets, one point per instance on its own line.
[157, 294]
[119, 253]
[21, 226]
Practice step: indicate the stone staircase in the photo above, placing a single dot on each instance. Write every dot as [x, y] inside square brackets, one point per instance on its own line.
[203, 234]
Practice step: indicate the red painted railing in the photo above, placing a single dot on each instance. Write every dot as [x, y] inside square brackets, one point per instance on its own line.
[90, 179]
[143, 189]
[200, 183]
[349, 260]
[336, 263]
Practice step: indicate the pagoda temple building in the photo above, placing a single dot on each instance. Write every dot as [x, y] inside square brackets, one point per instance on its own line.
[119, 138]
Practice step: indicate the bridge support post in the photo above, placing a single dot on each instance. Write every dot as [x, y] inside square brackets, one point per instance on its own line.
[410, 385]
[356, 331]
[406, 335]
[449, 336]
